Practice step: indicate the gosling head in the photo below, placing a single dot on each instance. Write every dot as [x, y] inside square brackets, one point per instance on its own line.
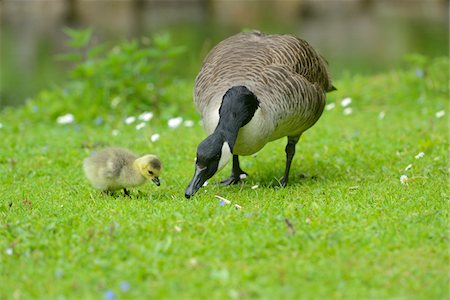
[150, 167]
[213, 153]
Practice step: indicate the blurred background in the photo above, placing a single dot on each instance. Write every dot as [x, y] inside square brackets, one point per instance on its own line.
[357, 37]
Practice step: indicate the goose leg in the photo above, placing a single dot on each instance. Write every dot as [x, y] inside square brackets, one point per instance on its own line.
[236, 173]
[290, 151]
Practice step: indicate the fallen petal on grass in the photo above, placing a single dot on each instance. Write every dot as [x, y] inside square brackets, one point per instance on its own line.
[9, 251]
[223, 200]
[404, 179]
[330, 106]
[146, 116]
[188, 123]
[154, 137]
[381, 115]
[177, 228]
[346, 102]
[129, 120]
[140, 126]
[440, 114]
[255, 187]
[348, 111]
[65, 119]
[175, 122]
[408, 167]
[419, 155]
[237, 206]
[115, 132]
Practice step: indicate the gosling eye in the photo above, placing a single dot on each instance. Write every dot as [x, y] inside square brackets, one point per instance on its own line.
[150, 172]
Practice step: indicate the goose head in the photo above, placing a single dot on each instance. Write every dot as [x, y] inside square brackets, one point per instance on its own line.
[213, 154]
[149, 166]
[237, 109]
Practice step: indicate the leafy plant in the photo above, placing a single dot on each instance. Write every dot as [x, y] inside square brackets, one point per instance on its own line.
[134, 75]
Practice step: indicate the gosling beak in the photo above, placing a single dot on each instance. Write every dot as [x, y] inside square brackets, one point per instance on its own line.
[156, 181]
[197, 182]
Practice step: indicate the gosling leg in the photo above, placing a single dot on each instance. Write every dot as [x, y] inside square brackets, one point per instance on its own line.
[236, 173]
[290, 152]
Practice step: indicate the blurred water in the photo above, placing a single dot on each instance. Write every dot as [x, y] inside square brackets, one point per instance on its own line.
[361, 36]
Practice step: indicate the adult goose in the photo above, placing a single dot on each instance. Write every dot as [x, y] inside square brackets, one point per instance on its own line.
[254, 88]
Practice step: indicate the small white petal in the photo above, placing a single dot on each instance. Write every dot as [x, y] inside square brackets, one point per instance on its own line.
[115, 132]
[130, 120]
[115, 102]
[243, 176]
[226, 201]
[237, 206]
[206, 183]
[9, 251]
[65, 119]
[146, 116]
[254, 187]
[440, 114]
[1, 125]
[330, 106]
[346, 101]
[140, 126]
[381, 115]
[188, 123]
[419, 155]
[177, 228]
[175, 122]
[348, 111]
[404, 179]
[154, 137]
[408, 167]
[307, 220]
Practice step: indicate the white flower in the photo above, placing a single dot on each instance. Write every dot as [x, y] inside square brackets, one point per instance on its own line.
[348, 111]
[115, 132]
[154, 137]
[243, 176]
[129, 120]
[115, 102]
[408, 167]
[330, 106]
[381, 115]
[308, 220]
[404, 179]
[9, 251]
[440, 114]
[177, 228]
[254, 187]
[188, 123]
[175, 122]
[419, 155]
[140, 126]
[65, 119]
[346, 101]
[146, 116]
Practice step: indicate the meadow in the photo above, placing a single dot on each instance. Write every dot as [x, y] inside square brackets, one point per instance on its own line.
[364, 216]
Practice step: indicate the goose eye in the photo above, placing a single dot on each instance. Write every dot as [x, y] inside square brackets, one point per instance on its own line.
[150, 172]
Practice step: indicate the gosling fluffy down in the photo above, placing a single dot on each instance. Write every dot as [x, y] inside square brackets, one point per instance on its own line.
[116, 168]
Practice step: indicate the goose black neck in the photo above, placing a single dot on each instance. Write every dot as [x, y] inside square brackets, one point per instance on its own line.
[238, 107]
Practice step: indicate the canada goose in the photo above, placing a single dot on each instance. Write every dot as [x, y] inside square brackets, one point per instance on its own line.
[254, 88]
[116, 168]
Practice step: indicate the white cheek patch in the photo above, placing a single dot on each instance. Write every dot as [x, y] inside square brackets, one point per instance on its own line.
[225, 157]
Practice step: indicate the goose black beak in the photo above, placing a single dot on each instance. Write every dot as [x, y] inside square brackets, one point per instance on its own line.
[197, 182]
[156, 181]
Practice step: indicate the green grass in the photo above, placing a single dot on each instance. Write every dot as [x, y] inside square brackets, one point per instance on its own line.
[357, 232]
